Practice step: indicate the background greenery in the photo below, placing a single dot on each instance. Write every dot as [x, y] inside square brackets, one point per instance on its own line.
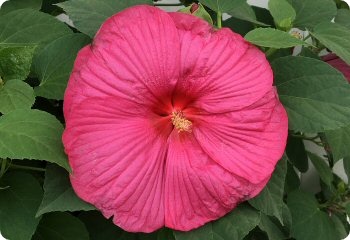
[36, 56]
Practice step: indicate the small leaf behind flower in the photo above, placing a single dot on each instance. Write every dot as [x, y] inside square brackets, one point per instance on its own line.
[59, 194]
[309, 222]
[270, 200]
[273, 38]
[235, 225]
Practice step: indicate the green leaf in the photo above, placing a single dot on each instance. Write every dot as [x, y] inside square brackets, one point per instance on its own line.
[14, 95]
[101, 228]
[54, 64]
[61, 226]
[15, 61]
[245, 12]
[343, 18]
[292, 179]
[339, 227]
[297, 154]
[32, 134]
[88, 15]
[339, 141]
[346, 163]
[272, 230]
[270, 200]
[29, 26]
[59, 194]
[311, 12]
[199, 12]
[235, 225]
[20, 199]
[283, 13]
[273, 38]
[162, 234]
[238, 26]
[335, 37]
[315, 95]
[287, 217]
[307, 52]
[309, 222]
[12, 5]
[223, 6]
[322, 168]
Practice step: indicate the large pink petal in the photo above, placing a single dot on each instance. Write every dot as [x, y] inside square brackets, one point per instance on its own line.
[249, 142]
[135, 55]
[220, 70]
[197, 189]
[118, 159]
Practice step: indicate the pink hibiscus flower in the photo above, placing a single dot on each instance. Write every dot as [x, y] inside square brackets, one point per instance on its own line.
[170, 122]
[338, 63]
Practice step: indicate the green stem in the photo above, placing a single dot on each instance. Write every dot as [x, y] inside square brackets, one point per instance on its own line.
[304, 137]
[1, 83]
[219, 19]
[15, 166]
[311, 139]
[328, 150]
[270, 52]
[3, 167]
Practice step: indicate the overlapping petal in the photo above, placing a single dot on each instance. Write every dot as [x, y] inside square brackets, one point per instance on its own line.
[220, 70]
[248, 142]
[134, 56]
[197, 189]
[117, 161]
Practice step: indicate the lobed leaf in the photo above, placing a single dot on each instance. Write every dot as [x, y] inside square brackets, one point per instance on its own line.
[270, 200]
[245, 12]
[88, 15]
[12, 5]
[59, 194]
[335, 37]
[339, 141]
[311, 12]
[26, 26]
[223, 6]
[273, 231]
[315, 95]
[14, 95]
[32, 134]
[309, 222]
[235, 225]
[15, 61]
[54, 63]
[343, 18]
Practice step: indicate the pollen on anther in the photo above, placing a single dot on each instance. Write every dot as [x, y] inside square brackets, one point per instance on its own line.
[180, 122]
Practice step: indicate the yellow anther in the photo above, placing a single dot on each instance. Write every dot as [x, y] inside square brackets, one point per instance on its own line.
[180, 122]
